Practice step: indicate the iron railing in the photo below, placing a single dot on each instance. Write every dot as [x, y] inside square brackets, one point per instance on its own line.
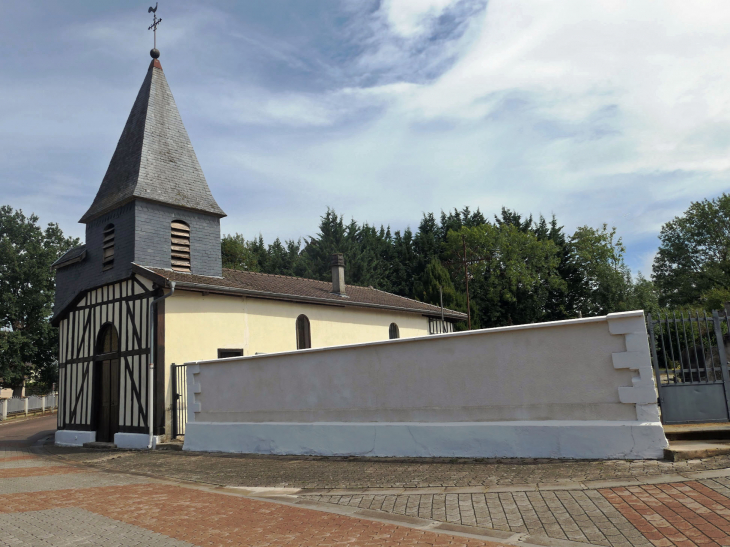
[689, 347]
[179, 400]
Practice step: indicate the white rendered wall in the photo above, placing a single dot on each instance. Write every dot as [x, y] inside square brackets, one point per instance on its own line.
[576, 389]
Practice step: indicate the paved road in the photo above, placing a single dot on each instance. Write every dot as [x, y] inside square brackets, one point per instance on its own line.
[101, 496]
[27, 432]
[45, 501]
[610, 503]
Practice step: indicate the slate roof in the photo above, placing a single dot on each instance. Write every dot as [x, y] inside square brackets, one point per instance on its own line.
[154, 159]
[76, 254]
[283, 287]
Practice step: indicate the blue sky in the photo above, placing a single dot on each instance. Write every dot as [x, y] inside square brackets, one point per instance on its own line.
[604, 111]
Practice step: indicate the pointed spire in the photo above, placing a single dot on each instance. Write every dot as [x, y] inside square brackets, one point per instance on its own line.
[154, 159]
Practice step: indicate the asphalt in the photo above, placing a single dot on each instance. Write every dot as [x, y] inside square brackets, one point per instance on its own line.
[25, 433]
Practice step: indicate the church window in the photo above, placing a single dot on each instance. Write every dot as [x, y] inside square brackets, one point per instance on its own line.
[108, 248]
[393, 331]
[304, 338]
[180, 246]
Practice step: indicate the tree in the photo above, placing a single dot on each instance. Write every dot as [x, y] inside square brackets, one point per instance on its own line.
[600, 281]
[28, 342]
[239, 254]
[692, 266]
[644, 295]
[435, 277]
[512, 283]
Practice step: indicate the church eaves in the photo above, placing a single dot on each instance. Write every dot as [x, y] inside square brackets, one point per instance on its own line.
[154, 159]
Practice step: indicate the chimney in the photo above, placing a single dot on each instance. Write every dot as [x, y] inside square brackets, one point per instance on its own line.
[338, 273]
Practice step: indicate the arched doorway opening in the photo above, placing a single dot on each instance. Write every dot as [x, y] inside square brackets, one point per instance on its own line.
[106, 383]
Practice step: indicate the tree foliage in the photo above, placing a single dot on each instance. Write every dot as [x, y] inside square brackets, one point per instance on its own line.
[692, 266]
[28, 342]
[531, 270]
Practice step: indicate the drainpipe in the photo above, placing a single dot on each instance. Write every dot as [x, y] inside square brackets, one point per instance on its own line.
[151, 383]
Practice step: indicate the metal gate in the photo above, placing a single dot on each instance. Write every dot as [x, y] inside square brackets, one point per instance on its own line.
[690, 358]
[179, 400]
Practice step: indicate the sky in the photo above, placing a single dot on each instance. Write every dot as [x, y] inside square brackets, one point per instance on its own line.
[607, 111]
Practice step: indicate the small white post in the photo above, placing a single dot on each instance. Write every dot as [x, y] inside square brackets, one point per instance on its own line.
[25, 405]
[5, 409]
[43, 404]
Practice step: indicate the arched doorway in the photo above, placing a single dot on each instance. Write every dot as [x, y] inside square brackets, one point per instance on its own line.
[106, 384]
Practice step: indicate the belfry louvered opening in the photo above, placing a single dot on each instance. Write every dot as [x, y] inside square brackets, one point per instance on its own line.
[180, 246]
[108, 248]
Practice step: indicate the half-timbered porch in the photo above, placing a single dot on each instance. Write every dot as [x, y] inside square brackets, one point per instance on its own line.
[104, 364]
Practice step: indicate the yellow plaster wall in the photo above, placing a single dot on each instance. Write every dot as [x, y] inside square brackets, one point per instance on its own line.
[196, 325]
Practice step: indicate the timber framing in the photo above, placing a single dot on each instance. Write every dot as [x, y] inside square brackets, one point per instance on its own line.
[125, 305]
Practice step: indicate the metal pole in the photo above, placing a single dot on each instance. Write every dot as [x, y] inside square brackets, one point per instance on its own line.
[441, 299]
[466, 279]
[150, 409]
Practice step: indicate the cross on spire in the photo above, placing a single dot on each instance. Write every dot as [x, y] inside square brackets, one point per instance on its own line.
[155, 53]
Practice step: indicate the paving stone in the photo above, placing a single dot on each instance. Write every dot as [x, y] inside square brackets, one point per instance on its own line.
[72, 526]
[320, 473]
[64, 482]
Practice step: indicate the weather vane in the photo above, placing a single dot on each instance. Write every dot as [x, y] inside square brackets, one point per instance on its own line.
[155, 53]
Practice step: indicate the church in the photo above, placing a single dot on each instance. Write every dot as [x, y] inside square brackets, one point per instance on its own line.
[147, 290]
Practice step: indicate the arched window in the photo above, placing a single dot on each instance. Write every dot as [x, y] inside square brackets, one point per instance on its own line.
[108, 248]
[393, 331]
[304, 338]
[107, 340]
[180, 246]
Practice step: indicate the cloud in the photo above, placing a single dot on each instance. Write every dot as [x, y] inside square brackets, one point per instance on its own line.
[609, 111]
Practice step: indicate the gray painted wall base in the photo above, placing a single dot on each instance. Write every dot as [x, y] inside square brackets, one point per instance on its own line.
[136, 441]
[534, 439]
[69, 437]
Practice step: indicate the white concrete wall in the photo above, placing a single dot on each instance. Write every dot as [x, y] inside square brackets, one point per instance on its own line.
[579, 388]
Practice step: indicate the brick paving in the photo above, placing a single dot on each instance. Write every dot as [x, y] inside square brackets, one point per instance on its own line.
[561, 500]
[202, 518]
[60, 504]
[613, 504]
[72, 526]
[691, 513]
[579, 515]
[325, 473]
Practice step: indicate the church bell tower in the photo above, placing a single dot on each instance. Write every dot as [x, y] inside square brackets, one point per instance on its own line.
[154, 207]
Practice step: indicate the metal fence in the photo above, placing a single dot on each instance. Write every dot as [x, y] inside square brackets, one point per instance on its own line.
[690, 354]
[179, 400]
[26, 405]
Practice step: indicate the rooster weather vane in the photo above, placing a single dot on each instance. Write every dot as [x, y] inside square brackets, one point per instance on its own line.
[155, 53]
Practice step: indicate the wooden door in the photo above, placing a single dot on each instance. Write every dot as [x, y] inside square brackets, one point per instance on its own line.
[106, 373]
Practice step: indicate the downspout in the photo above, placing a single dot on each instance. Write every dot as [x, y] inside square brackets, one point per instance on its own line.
[151, 379]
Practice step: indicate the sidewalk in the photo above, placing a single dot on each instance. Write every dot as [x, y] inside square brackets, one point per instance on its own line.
[46, 501]
[546, 502]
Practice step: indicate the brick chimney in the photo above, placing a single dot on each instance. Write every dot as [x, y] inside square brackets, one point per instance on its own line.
[338, 274]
